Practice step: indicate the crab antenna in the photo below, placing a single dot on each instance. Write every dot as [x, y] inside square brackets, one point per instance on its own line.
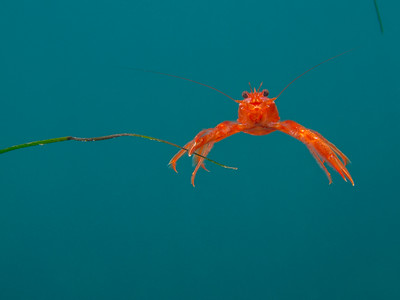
[259, 87]
[250, 87]
[333, 57]
[187, 79]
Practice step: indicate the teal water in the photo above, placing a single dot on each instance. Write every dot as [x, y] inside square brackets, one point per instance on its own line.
[110, 220]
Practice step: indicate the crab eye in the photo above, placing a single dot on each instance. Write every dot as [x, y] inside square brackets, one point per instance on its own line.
[245, 95]
[265, 93]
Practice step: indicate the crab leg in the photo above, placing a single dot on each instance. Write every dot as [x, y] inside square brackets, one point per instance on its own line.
[203, 143]
[322, 150]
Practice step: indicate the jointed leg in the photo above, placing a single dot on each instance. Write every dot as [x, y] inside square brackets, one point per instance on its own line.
[322, 150]
[203, 143]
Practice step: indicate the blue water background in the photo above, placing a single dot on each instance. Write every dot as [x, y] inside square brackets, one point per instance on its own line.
[110, 220]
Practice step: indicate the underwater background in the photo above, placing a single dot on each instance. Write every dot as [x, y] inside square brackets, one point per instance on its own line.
[110, 220]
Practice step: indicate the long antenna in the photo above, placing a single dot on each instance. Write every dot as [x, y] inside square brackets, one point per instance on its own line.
[187, 79]
[333, 57]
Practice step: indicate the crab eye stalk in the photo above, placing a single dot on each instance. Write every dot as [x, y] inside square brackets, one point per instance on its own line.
[265, 93]
[245, 95]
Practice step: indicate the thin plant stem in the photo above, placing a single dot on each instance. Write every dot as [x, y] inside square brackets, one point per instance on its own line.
[102, 138]
[379, 16]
